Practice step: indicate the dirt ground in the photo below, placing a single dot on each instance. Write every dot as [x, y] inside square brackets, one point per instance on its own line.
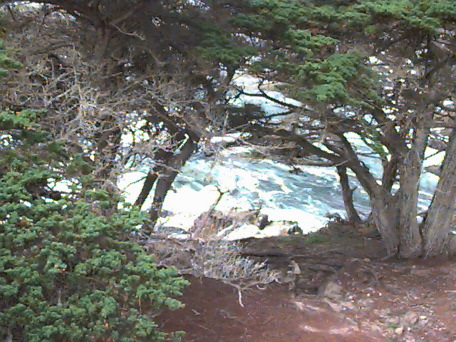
[336, 287]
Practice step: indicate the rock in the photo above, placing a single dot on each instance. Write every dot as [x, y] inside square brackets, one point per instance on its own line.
[409, 319]
[337, 307]
[286, 277]
[348, 306]
[180, 236]
[295, 269]
[277, 228]
[399, 330]
[365, 303]
[242, 232]
[295, 230]
[263, 221]
[332, 290]
[421, 272]
[212, 219]
[383, 312]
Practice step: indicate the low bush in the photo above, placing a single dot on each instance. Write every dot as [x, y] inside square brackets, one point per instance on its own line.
[69, 269]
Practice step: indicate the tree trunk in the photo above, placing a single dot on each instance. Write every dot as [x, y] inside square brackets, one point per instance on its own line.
[407, 201]
[384, 216]
[148, 184]
[438, 223]
[452, 243]
[407, 197]
[166, 179]
[347, 195]
[162, 158]
[384, 213]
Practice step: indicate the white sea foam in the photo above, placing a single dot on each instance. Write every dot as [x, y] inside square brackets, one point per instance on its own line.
[305, 198]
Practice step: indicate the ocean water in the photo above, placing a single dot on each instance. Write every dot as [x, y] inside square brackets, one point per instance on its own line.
[248, 183]
[305, 198]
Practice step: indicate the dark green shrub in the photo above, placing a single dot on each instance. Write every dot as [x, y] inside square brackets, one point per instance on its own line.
[69, 270]
[6, 62]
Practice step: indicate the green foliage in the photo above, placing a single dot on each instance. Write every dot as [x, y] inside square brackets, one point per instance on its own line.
[422, 16]
[315, 238]
[24, 119]
[5, 61]
[69, 269]
[303, 41]
[217, 45]
[331, 76]
[304, 53]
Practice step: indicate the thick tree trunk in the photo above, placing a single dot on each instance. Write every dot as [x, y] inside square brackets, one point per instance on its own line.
[384, 213]
[384, 216]
[438, 223]
[347, 195]
[407, 201]
[168, 176]
[407, 197]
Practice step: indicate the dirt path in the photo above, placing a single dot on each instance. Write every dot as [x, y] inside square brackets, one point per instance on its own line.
[212, 313]
[351, 295]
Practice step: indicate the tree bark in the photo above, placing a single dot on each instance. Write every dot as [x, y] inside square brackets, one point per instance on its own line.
[410, 171]
[452, 241]
[384, 216]
[389, 173]
[162, 159]
[384, 213]
[347, 195]
[407, 201]
[438, 223]
[166, 179]
[148, 184]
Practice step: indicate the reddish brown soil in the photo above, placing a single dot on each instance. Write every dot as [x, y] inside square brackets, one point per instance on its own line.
[213, 314]
[360, 299]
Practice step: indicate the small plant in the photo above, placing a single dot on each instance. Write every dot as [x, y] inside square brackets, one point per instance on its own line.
[223, 260]
[391, 325]
[315, 238]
